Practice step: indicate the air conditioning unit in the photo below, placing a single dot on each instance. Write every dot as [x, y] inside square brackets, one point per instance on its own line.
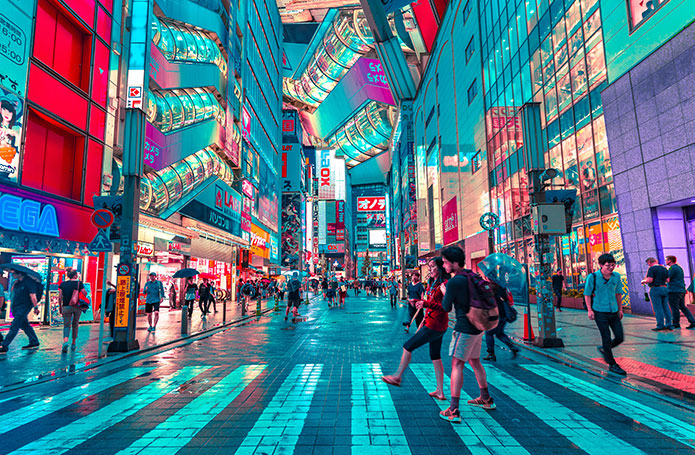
[549, 219]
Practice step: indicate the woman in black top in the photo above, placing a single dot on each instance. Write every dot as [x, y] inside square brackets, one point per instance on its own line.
[415, 292]
[71, 313]
[191, 289]
[501, 296]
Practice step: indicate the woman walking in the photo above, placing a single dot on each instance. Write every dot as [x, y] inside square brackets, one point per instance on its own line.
[415, 292]
[503, 300]
[189, 296]
[436, 323]
[69, 297]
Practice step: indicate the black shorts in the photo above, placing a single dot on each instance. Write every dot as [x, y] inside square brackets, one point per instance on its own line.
[282, 295]
[294, 302]
[149, 307]
[424, 336]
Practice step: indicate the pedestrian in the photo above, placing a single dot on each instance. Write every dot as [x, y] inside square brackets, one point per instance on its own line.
[393, 293]
[558, 280]
[203, 297]
[281, 290]
[109, 309]
[657, 276]
[294, 297]
[603, 298]
[503, 299]
[676, 293]
[26, 294]
[69, 298]
[342, 292]
[435, 325]
[466, 338]
[189, 296]
[415, 293]
[173, 303]
[154, 294]
[247, 290]
[324, 288]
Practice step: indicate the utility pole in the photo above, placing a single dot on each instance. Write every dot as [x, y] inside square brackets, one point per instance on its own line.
[135, 121]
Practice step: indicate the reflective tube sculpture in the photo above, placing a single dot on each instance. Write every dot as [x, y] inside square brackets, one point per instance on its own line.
[185, 43]
[170, 110]
[161, 189]
[366, 134]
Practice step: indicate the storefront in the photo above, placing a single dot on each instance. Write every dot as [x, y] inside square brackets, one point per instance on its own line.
[50, 237]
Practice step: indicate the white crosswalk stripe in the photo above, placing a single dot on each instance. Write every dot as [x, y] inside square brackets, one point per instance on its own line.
[650, 417]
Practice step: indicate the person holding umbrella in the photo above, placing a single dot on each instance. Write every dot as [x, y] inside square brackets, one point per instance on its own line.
[191, 287]
[25, 296]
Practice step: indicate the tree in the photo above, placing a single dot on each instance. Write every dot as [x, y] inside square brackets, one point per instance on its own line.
[366, 264]
[381, 262]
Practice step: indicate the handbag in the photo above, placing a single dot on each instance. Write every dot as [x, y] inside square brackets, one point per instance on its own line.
[75, 298]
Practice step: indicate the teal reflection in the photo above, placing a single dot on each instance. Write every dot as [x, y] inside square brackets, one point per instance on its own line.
[185, 43]
[170, 110]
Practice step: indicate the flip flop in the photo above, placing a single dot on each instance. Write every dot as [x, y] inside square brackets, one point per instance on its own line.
[389, 380]
[440, 398]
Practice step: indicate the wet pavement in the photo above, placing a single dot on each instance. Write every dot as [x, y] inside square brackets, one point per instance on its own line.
[20, 366]
[269, 386]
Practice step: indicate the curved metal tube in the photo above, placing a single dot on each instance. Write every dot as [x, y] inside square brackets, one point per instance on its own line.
[181, 43]
[170, 110]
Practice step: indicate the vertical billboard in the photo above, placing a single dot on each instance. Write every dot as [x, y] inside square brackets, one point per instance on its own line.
[291, 235]
[331, 175]
[450, 221]
[292, 167]
[12, 110]
[267, 196]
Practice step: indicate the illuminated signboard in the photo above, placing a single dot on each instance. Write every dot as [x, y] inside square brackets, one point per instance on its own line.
[21, 214]
[248, 189]
[15, 19]
[376, 74]
[371, 204]
[450, 219]
[245, 124]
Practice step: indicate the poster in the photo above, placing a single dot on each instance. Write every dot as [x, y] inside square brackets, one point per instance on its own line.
[15, 22]
[291, 236]
[11, 117]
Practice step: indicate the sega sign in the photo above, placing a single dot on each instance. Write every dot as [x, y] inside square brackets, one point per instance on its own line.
[371, 204]
[26, 215]
[325, 168]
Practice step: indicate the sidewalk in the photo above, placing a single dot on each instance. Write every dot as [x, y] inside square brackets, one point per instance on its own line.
[661, 361]
[28, 366]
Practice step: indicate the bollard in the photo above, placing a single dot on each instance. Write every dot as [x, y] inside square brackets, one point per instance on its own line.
[244, 301]
[258, 306]
[277, 308]
[184, 319]
[224, 311]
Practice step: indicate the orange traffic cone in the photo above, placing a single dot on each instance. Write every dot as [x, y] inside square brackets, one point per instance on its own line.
[528, 327]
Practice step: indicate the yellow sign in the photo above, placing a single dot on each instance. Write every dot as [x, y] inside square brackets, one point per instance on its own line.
[122, 301]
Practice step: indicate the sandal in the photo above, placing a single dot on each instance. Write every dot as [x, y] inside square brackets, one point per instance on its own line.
[437, 396]
[391, 380]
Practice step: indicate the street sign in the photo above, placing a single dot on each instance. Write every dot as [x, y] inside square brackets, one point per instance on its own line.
[102, 218]
[123, 269]
[101, 243]
[122, 300]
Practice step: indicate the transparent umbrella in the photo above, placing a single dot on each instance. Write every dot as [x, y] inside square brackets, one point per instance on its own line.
[509, 273]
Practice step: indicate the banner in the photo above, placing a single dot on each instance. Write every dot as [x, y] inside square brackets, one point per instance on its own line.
[291, 236]
[450, 221]
[371, 204]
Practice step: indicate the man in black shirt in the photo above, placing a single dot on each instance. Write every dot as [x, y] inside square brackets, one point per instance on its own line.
[558, 283]
[465, 340]
[676, 293]
[656, 278]
[415, 293]
[23, 301]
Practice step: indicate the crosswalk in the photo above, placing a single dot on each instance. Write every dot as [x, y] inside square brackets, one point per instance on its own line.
[380, 418]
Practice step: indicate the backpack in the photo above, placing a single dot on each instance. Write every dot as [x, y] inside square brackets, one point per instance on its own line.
[483, 313]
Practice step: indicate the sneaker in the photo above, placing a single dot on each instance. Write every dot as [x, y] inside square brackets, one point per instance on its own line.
[675, 326]
[149, 329]
[515, 351]
[65, 348]
[485, 404]
[659, 329]
[30, 346]
[73, 347]
[451, 415]
[491, 358]
[154, 328]
[615, 368]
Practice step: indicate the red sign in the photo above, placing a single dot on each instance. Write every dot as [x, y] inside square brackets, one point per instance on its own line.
[134, 92]
[371, 204]
[450, 221]
[144, 249]
[102, 218]
[245, 124]
[247, 188]
[288, 125]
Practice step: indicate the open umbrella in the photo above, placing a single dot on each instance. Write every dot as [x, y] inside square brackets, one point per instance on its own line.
[508, 273]
[185, 273]
[22, 269]
[207, 276]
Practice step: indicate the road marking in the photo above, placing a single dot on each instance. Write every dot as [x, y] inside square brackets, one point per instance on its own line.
[79, 431]
[279, 426]
[42, 408]
[583, 433]
[376, 428]
[650, 417]
[179, 429]
[478, 430]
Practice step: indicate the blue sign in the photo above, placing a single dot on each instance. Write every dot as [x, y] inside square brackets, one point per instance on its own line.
[20, 214]
[101, 243]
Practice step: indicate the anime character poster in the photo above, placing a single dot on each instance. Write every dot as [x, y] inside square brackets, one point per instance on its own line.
[291, 236]
[11, 117]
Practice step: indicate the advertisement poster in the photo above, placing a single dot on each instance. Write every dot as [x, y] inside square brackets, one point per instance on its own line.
[291, 235]
[11, 116]
[450, 218]
[15, 19]
[266, 197]
[375, 220]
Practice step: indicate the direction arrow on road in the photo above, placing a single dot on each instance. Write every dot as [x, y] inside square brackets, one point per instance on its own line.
[101, 243]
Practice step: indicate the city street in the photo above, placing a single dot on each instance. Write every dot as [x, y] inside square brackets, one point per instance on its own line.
[269, 386]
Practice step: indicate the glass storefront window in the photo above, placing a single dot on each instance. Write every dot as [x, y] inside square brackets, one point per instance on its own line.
[585, 152]
[590, 204]
[569, 154]
[576, 47]
[607, 199]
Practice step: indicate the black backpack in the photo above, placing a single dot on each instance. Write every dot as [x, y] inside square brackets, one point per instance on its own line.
[483, 313]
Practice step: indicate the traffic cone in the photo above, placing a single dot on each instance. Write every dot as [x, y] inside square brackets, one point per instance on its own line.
[528, 327]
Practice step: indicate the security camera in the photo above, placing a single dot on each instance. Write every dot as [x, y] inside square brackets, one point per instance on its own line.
[549, 174]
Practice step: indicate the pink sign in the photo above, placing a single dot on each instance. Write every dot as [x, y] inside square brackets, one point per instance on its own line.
[247, 188]
[245, 124]
[450, 221]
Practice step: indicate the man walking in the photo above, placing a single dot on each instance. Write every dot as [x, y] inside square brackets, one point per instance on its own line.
[558, 283]
[603, 298]
[656, 278]
[466, 339]
[393, 292]
[154, 294]
[24, 299]
[676, 293]
[294, 297]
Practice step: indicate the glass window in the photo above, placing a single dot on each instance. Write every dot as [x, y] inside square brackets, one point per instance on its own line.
[550, 105]
[569, 155]
[605, 171]
[573, 18]
[202, 48]
[590, 204]
[470, 49]
[607, 200]
[588, 7]
[188, 107]
[559, 36]
[596, 101]
[160, 198]
[564, 92]
[185, 174]
[567, 123]
[585, 153]
[536, 71]
[556, 11]
[176, 109]
[579, 82]
[553, 131]
[531, 14]
[547, 50]
[472, 91]
[163, 115]
[593, 24]
[180, 42]
[521, 22]
[555, 160]
[582, 113]
[576, 48]
[596, 64]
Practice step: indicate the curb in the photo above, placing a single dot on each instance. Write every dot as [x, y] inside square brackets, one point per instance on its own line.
[638, 385]
[92, 363]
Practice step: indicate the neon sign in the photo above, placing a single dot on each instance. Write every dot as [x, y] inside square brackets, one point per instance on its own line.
[376, 74]
[245, 124]
[19, 214]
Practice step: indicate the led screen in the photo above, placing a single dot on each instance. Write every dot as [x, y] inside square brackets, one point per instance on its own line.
[377, 237]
